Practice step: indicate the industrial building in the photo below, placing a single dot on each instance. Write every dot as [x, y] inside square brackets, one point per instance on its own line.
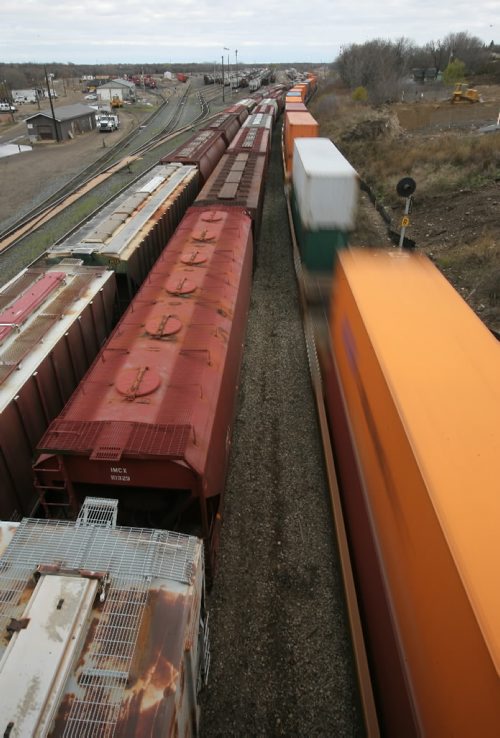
[66, 123]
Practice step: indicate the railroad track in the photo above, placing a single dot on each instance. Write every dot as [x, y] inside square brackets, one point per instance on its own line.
[100, 170]
[311, 331]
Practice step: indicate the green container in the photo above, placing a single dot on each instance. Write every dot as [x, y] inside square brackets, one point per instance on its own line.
[318, 249]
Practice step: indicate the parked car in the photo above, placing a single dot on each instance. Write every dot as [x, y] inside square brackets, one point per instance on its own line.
[6, 107]
[92, 96]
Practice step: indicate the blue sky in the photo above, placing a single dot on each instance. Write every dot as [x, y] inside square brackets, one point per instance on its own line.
[103, 31]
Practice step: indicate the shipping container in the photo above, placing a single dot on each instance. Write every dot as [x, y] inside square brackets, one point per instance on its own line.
[227, 123]
[129, 233]
[413, 397]
[238, 179]
[106, 628]
[53, 323]
[297, 125]
[151, 422]
[252, 140]
[295, 107]
[324, 201]
[203, 150]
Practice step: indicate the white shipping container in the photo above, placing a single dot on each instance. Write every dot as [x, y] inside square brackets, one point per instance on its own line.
[325, 185]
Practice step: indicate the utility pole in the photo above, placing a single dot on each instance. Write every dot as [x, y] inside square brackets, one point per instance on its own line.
[56, 130]
[237, 83]
[222, 62]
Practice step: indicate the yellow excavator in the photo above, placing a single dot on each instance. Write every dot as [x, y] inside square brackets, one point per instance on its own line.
[464, 93]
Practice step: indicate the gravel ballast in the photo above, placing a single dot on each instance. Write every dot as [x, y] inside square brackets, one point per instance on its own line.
[281, 653]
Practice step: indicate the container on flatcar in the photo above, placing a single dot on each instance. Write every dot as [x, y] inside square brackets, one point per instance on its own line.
[324, 200]
[240, 110]
[227, 123]
[413, 396]
[259, 120]
[297, 125]
[238, 179]
[110, 631]
[129, 233]
[251, 140]
[150, 424]
[53, 323]
[295, 107]
[203, 150]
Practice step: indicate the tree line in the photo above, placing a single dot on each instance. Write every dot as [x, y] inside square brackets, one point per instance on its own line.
[380, 67]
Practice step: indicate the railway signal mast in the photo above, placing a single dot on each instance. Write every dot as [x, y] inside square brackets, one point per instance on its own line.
[405, 188]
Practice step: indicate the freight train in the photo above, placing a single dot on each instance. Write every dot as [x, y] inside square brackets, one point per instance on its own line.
[410, 381]
[147, 432]
[57, 313]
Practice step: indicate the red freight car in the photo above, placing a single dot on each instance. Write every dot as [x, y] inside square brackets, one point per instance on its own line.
[238, 179]
[227, 123]
[251, 140]
[204, 150]
[182, 77]
[53, 323]
[267, 109]
[240, 110]
[151, 422]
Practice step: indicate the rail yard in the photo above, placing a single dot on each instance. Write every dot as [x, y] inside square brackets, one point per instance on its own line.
[212, 431]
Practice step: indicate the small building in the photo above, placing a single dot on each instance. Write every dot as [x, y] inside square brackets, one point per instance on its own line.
[120, 88]
[70, 121]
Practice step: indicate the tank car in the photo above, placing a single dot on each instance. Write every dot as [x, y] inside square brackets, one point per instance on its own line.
[413, 395]
[151, 422]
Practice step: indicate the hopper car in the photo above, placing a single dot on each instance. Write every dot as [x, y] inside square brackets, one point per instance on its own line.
[126, 236]
[104, 628]
[228, 123]
[53, 321]
[150, 424]
[129, 233]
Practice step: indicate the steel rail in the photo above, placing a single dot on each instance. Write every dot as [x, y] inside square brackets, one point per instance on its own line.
[358, 639]
[15, 234]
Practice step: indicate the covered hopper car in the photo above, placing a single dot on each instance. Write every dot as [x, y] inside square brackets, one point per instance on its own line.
[203, 150]
[129, 233]
[413, 396]
[53, 322]
[151, 422]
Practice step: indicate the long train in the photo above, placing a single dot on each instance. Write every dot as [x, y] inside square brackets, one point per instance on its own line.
[57, 313]
[131, 435]
[410, 384]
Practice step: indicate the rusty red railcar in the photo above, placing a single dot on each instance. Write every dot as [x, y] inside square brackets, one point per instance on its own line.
[251, 141]
[53, 322]
[150, 424]
[228, 123]
[267, 109]
[204, 150]
[238, 179]
[240, 110]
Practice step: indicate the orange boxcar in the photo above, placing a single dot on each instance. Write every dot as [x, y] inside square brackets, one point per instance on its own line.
[414, 400]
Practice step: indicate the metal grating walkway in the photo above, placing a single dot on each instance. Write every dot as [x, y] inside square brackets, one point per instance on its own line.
[131, 558]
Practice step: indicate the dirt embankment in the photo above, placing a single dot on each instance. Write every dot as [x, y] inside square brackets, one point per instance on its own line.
[455, 217]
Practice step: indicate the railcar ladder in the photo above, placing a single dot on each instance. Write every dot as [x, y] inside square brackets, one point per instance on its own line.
[59, 493]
